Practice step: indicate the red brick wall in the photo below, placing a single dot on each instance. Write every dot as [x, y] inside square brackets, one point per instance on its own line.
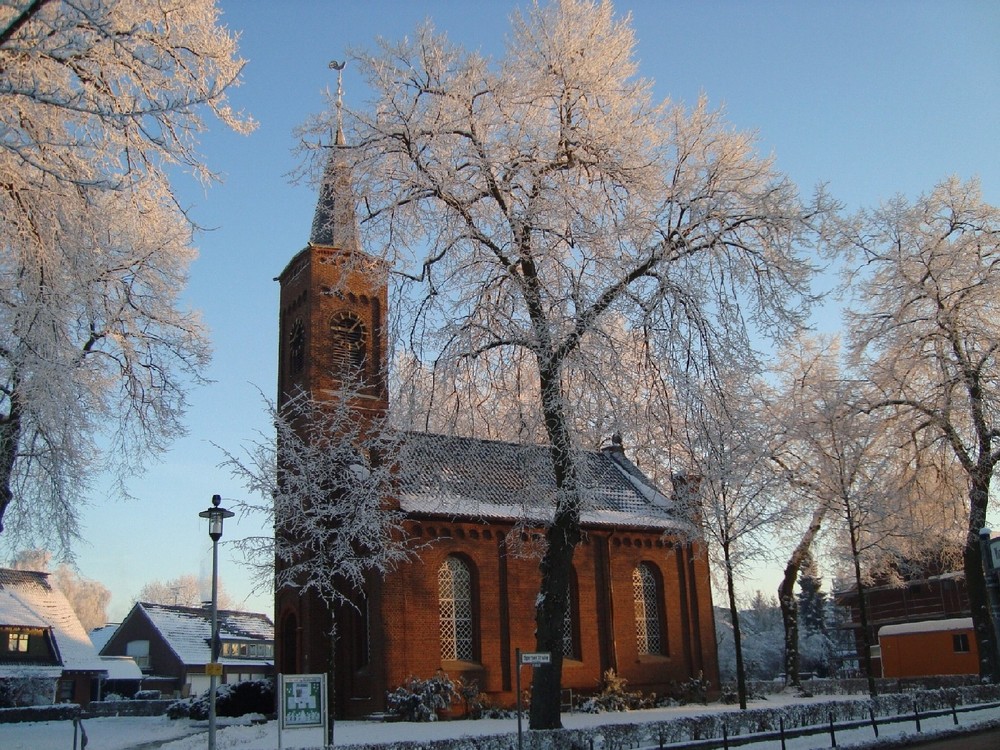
[408, 624]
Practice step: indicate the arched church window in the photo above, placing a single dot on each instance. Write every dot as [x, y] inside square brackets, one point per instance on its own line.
[349, 343]
[455, 609]
[571, 639]
[296, 347]
[289, 644]
[646, 593]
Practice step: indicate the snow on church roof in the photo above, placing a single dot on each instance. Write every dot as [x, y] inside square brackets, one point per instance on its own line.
[188, 630]
[27, 599]
[487, 479]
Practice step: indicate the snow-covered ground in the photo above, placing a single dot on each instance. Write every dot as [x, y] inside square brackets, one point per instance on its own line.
[127, 733]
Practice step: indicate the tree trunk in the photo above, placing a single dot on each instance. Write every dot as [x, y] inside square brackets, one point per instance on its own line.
[10, 439]
[975, 580]
[786, 597]
[562, 537]
[734, 614]
[866, 639]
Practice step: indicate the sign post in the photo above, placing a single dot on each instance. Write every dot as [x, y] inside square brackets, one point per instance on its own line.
[532, 659]
[302, 708]
[989, 548]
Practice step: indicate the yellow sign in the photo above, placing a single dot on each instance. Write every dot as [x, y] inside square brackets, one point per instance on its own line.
[213, 668]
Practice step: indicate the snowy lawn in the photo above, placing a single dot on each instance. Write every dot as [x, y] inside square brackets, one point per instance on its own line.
[126, 733]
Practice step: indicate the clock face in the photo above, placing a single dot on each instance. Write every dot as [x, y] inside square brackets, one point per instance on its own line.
[297, 346]
[349, 343]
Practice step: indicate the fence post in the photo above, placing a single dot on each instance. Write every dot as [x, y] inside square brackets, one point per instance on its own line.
[871, 712]
[954, 713]
[833, 732]
[781, 728]
[916, 715]
[725, 738]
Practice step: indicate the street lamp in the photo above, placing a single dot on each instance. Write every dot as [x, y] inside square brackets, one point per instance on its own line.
[215, 516]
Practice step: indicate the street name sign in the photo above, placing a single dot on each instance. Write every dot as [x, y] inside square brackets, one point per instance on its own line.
[534, 658]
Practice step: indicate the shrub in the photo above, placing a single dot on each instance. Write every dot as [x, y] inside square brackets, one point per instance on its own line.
[238, 699]
[147, 695]
[180, 709]
[420, 700]
[695, 690]
[479, 704]
[26, 691]
[250, 697]
[614, 697]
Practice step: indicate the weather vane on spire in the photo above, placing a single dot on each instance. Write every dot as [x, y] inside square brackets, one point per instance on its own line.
[339, 67]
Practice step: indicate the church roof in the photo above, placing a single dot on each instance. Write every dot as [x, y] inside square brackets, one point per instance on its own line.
[459, 477]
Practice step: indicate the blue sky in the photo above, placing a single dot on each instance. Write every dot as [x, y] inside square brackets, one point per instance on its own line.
[872, 98]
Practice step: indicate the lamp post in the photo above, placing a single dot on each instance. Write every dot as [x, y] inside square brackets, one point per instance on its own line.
[215, 516]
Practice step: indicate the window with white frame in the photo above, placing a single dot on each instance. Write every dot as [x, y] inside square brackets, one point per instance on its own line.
[138, 650]
[455, 609]
[648, 628]
[17, 642]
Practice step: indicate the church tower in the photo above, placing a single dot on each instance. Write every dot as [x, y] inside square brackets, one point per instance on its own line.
[332, 304]
[332, 345]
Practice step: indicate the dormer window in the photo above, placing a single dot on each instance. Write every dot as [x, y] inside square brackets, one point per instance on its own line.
[17, 643]
[247, 650]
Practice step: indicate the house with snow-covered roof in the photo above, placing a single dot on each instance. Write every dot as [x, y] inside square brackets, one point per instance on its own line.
[46, 655]
[172, 646]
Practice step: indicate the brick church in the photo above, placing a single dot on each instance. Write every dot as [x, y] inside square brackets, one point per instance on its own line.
[640, 596]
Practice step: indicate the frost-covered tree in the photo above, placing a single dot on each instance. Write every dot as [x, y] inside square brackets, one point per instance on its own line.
[857, 475]
[531, 198]
[321, 483]
[803, 372]
[926, 325]
[88, 598]
[828, 449]
[99, 99]
[738, 496]
[185, 591]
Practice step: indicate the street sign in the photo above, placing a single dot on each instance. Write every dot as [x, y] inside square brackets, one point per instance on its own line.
[213, 668]
[534, 658]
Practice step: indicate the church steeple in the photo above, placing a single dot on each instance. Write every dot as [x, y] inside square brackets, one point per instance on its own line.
[335, 223]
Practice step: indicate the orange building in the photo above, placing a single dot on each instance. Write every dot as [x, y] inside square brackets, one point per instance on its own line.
[928, 648]
[640, 594]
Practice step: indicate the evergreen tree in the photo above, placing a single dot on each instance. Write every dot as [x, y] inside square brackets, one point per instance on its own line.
[816, 648]
[812, 598]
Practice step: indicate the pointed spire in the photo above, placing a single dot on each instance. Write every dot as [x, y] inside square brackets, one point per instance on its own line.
[335, 223]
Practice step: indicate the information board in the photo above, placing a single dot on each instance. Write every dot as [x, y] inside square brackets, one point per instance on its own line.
[303, 701]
